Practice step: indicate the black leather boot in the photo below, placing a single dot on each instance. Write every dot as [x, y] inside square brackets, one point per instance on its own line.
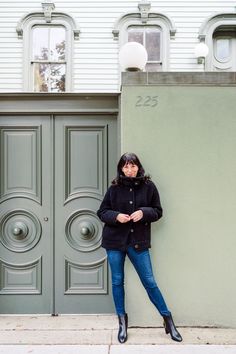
[123, 325]
[170, 328]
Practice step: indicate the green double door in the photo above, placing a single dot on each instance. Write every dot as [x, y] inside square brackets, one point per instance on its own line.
[54, 173]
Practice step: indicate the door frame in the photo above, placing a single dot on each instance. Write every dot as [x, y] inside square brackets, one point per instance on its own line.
[52, 104]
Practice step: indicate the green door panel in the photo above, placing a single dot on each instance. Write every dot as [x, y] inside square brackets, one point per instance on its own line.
[26, 238]
[85, 161]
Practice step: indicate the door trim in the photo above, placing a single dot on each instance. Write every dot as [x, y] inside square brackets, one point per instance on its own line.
[67, 103]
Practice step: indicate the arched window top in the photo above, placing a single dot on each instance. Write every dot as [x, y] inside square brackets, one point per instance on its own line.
[218, 33]
[213, 22]
[47, 16]
[143, 17]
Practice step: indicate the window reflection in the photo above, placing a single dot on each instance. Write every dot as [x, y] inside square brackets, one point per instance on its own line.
[153, 39]
[135, 35]
[222, 49]
[49, 77]
[48, 59]
[40, 43]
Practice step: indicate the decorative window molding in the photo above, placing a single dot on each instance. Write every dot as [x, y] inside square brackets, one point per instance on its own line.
[47, 16]
[48, 7]
[213, 24]
[143, 17]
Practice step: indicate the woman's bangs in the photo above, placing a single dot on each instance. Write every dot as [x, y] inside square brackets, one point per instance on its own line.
[130, 159]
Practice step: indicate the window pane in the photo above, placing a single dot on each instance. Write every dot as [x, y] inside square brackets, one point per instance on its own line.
[40, 43]
[57, 81]
[153, 41]
[41, 75]
[222, 49]
[49, 43]
[49, 77]
[57, 43]
[135, 35]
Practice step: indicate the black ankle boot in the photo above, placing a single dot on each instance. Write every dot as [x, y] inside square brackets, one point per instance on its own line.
[123, 325]
[170, 328]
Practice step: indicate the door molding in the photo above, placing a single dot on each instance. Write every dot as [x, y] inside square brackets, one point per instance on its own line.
[66, 103]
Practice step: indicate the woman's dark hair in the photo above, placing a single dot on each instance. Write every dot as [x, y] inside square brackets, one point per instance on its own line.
[129, 157]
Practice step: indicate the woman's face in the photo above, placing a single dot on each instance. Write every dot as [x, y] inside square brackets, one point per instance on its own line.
[130, 170]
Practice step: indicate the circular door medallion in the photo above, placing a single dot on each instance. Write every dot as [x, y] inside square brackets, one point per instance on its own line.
[83, 231]
[20, 230]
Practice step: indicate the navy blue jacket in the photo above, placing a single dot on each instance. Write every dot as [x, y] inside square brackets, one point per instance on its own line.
[131, 195]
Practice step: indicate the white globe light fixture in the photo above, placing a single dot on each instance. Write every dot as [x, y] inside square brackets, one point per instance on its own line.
[201, 51]
[132, 57]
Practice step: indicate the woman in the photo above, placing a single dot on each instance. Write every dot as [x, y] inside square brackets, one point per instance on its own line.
[128, 208]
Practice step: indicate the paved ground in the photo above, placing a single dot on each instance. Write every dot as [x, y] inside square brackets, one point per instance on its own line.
[116, 349]
[98, 334]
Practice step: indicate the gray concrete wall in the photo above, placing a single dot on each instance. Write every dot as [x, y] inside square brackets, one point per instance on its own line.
[183, 127]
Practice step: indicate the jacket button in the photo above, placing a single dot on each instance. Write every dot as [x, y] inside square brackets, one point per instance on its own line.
[132, 230]
[131, 190]
[130, 202]
[136, 246]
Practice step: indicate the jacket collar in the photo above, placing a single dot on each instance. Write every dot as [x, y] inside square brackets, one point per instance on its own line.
[131, 181]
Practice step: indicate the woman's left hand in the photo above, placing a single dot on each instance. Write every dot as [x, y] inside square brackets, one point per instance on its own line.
[136, 216]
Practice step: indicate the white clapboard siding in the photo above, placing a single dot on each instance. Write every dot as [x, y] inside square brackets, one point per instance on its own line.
[95, 66]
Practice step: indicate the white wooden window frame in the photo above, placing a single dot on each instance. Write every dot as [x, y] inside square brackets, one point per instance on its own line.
[24, 30]
[28, 72]
[33, 61]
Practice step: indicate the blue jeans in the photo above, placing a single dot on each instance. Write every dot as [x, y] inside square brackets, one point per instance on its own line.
[142, 264]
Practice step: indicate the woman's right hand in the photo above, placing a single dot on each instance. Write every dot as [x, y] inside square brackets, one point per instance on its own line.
[123, 218]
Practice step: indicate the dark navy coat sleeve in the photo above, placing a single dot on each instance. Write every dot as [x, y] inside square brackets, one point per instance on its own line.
[105, 212]
[154, 211]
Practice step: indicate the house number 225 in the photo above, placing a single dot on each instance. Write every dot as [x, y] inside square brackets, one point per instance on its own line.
[146, 101]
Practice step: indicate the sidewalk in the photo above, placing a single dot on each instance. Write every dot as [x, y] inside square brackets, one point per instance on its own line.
[90, 334]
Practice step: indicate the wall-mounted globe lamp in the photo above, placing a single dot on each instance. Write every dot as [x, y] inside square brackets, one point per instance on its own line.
[201, 51]
[132, 57]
